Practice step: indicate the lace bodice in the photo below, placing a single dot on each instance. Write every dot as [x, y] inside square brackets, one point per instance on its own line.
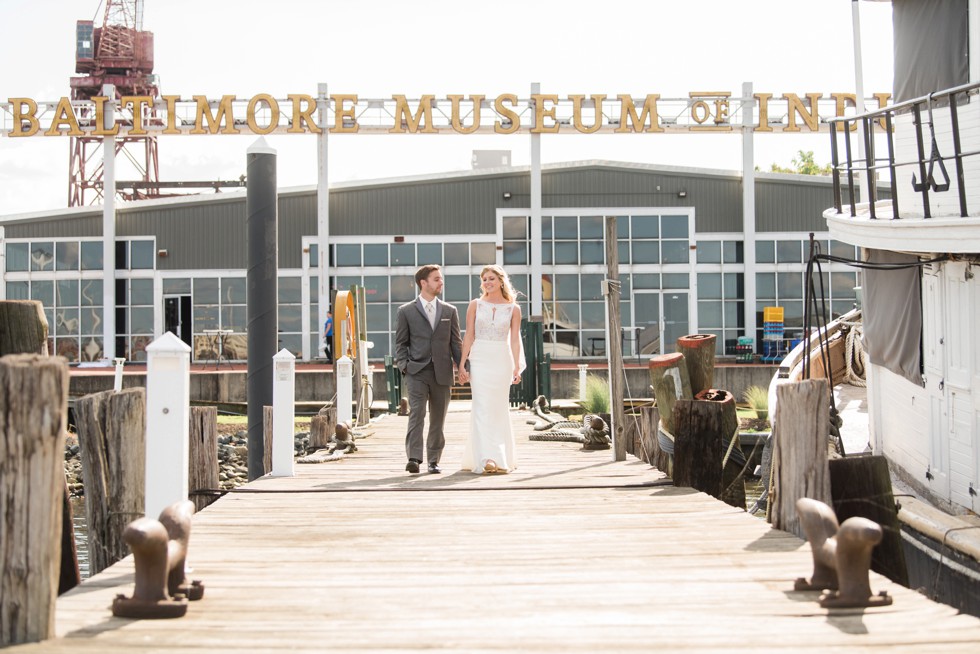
[493, 320]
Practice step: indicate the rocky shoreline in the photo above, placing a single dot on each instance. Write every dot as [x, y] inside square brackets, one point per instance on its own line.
[232, 459]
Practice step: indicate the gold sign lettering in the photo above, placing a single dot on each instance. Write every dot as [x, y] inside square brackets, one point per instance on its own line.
[628, 114]
[63, 115]
[345, 122]
[509, 121]
[405, 119]
[457, 122]
[225, 114]
[577, 104]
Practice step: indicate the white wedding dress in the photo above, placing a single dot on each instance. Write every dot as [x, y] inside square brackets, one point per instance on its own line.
[491, 372]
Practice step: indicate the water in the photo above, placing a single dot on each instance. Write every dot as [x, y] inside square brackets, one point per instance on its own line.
[81, 534]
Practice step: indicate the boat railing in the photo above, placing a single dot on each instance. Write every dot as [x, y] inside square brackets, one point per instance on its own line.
[930, 174]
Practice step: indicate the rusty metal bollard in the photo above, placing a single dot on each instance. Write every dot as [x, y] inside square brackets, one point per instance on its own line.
[841, 556]
[159, 554]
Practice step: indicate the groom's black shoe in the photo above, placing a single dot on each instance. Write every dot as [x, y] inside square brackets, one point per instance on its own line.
[413, 466]
[434, 468]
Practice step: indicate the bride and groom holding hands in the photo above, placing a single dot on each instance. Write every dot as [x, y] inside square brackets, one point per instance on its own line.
[490, 358]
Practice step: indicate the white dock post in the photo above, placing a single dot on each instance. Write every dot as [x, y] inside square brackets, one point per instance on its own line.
[283, 413]
[345, 392]
[582, 368]
[117, 384]
[167, 422]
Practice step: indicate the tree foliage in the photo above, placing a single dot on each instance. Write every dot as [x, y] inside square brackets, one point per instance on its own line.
[803, 164]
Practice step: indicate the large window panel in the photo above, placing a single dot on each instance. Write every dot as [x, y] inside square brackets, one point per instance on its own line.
[67, 255]
[18, 257]
[42, 256]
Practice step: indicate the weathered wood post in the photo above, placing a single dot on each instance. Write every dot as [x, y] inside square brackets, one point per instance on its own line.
[202, 451]
[733, 486]
[651, 443]
[33, 419]
[167, 422]
[267, 418]
[698, 448]
[23, 327]
[699, 356]
[614, 344]
[322, 427]
[283, 414]
[801, 426]
[111, 437]
[668, 376]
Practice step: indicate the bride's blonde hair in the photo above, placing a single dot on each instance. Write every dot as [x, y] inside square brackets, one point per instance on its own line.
[506, 288]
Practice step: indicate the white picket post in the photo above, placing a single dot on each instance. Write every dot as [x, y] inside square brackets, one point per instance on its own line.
[582, 367]
[167, 422]
[345, 391]
[283, 413]
[117, 382]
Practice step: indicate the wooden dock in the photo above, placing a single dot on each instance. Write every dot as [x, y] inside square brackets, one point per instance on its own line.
[571, 553]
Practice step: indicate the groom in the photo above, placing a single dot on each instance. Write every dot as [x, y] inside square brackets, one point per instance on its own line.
[427, 343]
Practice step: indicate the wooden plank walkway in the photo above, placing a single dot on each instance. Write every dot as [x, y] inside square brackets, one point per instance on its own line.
[571, 553]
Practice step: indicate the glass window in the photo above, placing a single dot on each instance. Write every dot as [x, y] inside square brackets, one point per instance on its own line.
[843, 284]
[547, 257]
[376, 288]
[43, 291]
[377, 315]
[344, 282]
[789, 252]
[592, 287]
[734, 251]
[92, 252]
[591, 228]
[430, 253]
[141, 320]
[67, 292]
[141, 292]
[547, 230]
[292, 343]
[515, 252]
[676, 280]
[483, 254]
[789, 285]
[457, 288]
[91, 319]
[403, 254]
[709, 287]
[765, 252]
[645, 252]
[91, 293]
[67, 255]
[457, 254]
[709, 252]
[235, 317]
[710, 314]
[42, 255]
[734, 314]
[67, 321]
[566, 287]
[566, 253]
[18, 291]
[205, 291]
[17, 257]
[376, 254]
[403, 288]
[622, 227]
[646, 280]
[142, 255]
[205, 317]
[566, 227]
[623, 251]
[515, 228]
[178, 286]
[348, 254]
[734, 286]
[290, 291]
[314, 255]
[290, 318]
[674, 227]
[593, 315]
[233, 290]
[592, 252]
[676, 251]
[765, 286]
[644, 227]
[122, 255]
[843, 250]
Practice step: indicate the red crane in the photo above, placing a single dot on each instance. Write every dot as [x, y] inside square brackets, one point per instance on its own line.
[118, 52]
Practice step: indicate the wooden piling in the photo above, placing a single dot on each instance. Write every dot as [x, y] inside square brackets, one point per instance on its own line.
[267, 439]
[801, 426]
[668, 376]
[699, 356]
[33, 419]
[322, 427]
[861, 486]
[112, 439]
[698, 448]
[614, 344]
[23, 327]
[733, 482]
[202, 455]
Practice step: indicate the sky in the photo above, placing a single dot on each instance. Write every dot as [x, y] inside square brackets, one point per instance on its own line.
[381, 48]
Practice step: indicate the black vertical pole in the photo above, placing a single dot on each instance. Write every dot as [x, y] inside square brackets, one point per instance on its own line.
[263, 289]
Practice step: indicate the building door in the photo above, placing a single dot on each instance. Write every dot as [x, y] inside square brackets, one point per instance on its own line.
[676, 318]
[177, 317]
[647, 322]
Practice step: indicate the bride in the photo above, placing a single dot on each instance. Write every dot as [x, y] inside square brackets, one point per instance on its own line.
[492, 360]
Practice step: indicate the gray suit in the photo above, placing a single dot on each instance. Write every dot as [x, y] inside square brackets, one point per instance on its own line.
[426, 356]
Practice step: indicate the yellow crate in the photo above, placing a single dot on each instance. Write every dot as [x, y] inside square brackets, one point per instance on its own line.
[772, 314]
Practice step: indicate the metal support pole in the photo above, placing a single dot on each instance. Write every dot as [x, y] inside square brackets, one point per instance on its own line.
[109, 227]
[322, 212]
[535, 290]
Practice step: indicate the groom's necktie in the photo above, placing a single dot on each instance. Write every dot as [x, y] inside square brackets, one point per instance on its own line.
[430, 309]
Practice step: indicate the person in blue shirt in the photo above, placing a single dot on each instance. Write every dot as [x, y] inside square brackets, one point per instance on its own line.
[328, 337]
